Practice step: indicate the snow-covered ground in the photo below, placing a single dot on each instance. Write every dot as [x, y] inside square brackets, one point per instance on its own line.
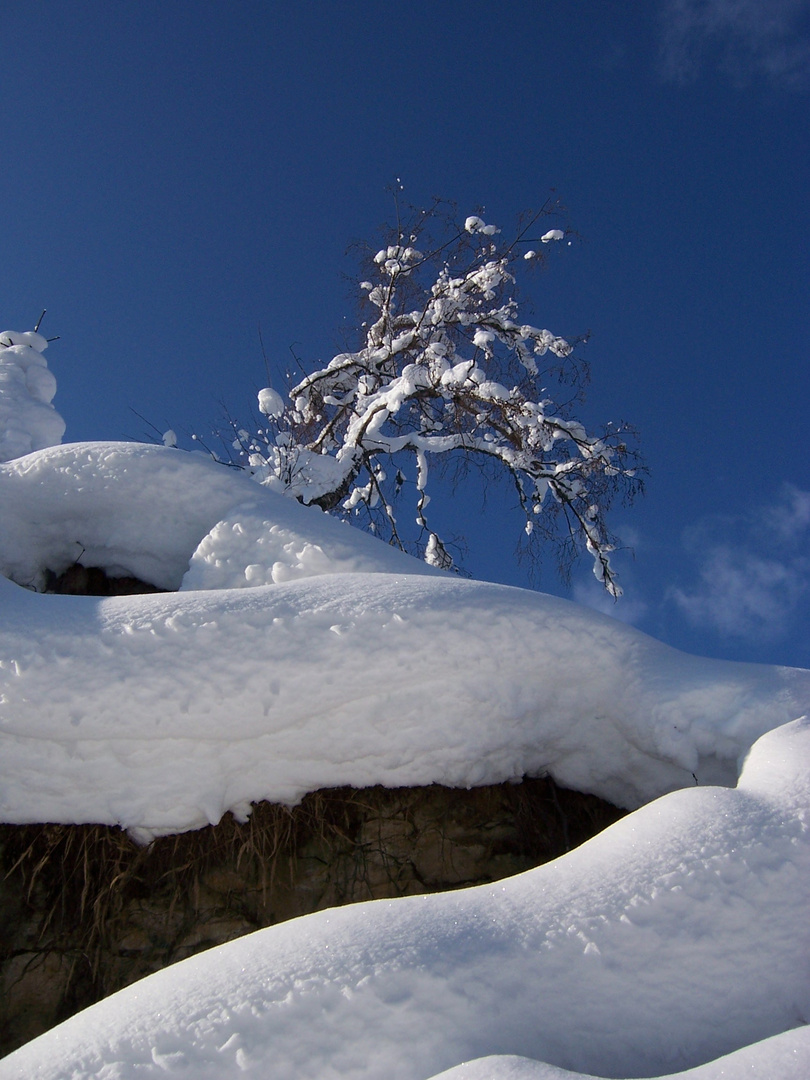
[676, 936]
[161, 712]
[299, 654]
[147, 510]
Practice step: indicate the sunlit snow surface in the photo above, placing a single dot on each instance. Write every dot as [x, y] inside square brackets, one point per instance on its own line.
[782, 1057]
[143, 510]
[679, 935]
[28, 420]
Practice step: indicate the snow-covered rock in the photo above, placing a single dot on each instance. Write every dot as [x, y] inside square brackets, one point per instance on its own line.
[161, 712]
[678, 935]
[142, 510]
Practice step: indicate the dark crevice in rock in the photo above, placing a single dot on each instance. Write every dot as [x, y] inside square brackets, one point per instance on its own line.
[94, 581]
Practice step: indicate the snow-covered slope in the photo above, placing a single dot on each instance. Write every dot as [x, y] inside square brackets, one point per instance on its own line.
[301, 654]
[676, 936]
[160, 713]
[143, 510]
[782, 1057]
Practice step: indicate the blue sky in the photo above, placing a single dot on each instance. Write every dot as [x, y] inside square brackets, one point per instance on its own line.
[177, 175]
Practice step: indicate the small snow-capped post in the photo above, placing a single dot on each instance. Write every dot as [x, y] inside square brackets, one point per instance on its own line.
[28, 420]
[446, 366]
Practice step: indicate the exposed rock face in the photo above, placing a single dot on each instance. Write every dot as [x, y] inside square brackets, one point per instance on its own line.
[85, 911]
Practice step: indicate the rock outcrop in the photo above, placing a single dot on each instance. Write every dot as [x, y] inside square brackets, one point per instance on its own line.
[86, 911]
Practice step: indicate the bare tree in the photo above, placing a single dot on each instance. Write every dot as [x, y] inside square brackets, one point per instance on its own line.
[446, 367]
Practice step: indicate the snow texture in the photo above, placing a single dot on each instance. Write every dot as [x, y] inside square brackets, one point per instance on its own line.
[28, 420]
[160, 713]
[143, 510]
[676, 936]
[781, 1057]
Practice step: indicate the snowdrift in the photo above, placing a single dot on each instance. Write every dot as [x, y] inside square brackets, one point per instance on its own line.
[150, 511]
[677, 935]
[160, 713]
[299, 654]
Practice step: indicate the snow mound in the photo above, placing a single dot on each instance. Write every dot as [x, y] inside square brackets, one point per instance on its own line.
[782, 1057]
[676, 936]
[161, 712]
[272, 539]
[345, 662]
[143, 510]
[28, 420]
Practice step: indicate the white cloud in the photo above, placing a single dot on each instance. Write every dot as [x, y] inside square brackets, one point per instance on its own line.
[742, 595]
[744, 38]
[753, 572]
[791, 517]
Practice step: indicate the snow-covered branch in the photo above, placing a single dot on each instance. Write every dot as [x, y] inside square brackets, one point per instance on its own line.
[447, 365]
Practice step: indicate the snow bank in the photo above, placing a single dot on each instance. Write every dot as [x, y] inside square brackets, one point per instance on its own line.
[161, 712]
[301, 654]
[143, 510]
[782, 1057]
[678, 935]
[28, 420]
